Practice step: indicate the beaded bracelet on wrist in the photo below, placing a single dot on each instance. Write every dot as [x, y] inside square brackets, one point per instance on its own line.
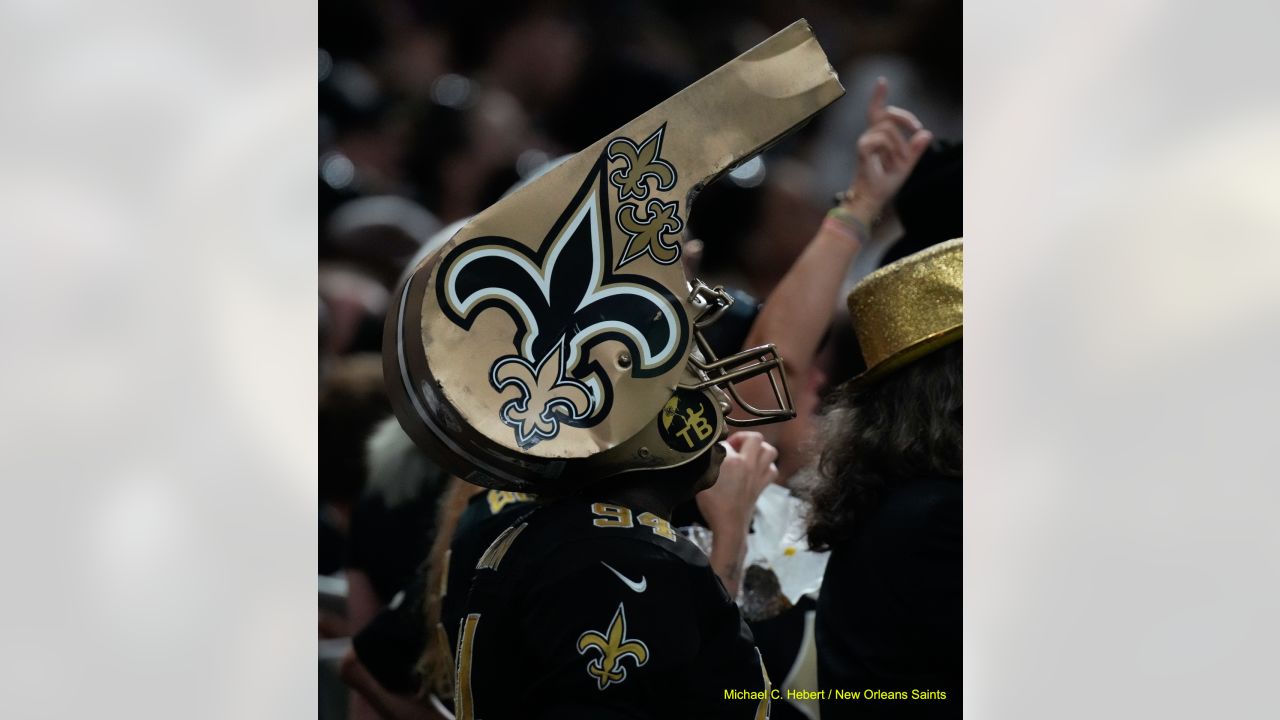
[845, 223]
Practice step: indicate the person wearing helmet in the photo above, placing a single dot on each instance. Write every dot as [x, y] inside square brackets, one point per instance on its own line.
[554, 346]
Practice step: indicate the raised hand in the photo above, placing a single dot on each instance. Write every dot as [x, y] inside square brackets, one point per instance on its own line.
[887, 152]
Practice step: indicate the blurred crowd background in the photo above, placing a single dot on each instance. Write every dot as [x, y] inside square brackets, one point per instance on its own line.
[429, 112]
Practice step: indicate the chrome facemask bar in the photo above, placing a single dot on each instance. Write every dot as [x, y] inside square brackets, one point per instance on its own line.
[726, 372]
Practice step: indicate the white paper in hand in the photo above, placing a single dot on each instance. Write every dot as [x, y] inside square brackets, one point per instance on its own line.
[777, 542]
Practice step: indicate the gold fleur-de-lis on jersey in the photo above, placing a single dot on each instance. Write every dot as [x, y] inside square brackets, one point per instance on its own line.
[651, 234]
[613, 646]
[641, 162]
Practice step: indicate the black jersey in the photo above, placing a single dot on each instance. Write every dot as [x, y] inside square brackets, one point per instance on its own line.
[889, 615]
[391, 644]
[591, 610]
[484, 518]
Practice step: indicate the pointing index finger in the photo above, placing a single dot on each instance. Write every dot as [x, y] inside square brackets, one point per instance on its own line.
[878, 99]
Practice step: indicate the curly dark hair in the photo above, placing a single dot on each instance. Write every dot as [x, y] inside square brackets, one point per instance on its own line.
[907, 424]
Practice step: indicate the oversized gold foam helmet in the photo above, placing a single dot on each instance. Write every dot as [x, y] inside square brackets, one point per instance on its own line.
[555, 338]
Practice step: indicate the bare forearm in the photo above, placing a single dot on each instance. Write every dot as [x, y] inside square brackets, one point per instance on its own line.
[798, 311]
[374, 701]
[728, 553]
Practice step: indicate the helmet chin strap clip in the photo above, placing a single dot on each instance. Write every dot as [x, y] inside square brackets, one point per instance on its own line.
[725, 373]
[715, 301]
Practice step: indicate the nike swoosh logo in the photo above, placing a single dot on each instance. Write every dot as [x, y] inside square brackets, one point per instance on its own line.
[637, 586]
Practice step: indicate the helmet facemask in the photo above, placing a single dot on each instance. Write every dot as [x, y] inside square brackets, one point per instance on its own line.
[698, 413]
[725, 373]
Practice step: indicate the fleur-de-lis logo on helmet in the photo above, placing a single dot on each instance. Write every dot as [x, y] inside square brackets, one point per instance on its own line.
[564, 298]
[652, 228]
[656, 233]
[612, 646]
[546, 395]
[640, 162]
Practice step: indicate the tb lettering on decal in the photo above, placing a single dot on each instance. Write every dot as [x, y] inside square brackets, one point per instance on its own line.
[689, 422]
[693, 421]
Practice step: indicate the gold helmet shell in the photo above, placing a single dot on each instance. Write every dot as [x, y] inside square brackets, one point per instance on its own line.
[555, 338]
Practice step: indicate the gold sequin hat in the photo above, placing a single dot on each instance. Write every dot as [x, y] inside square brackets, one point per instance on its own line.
[910, 308]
